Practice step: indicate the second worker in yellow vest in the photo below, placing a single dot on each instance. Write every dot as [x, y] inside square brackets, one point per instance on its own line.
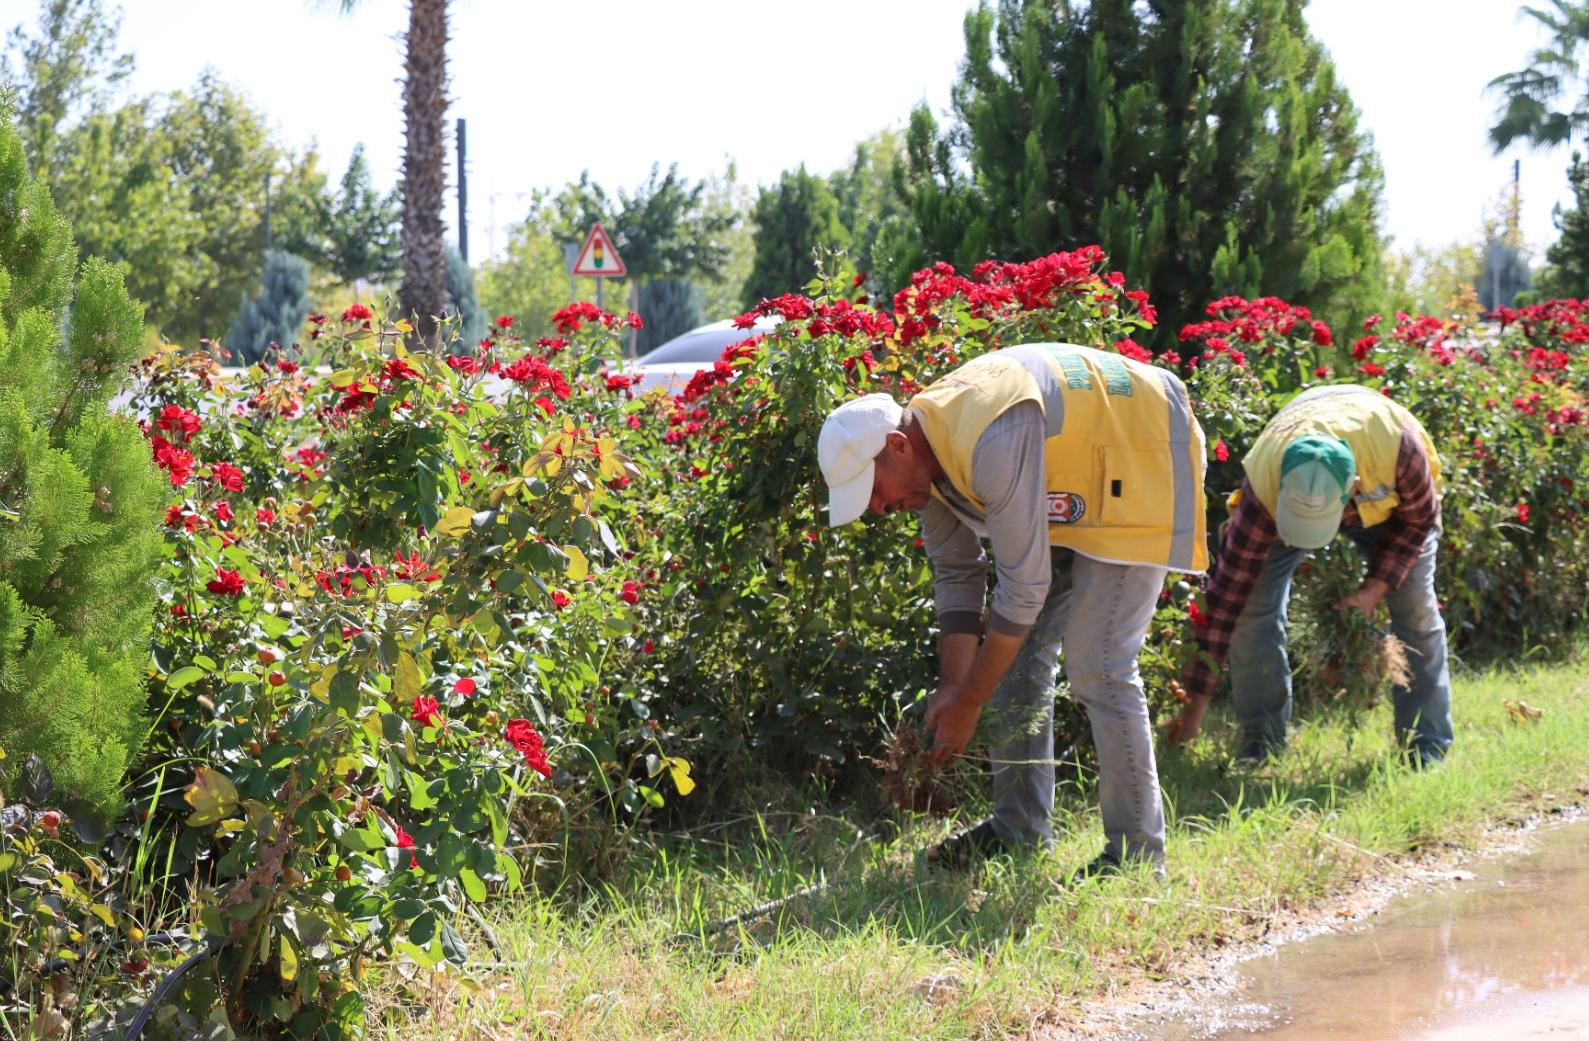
[1335, 458]
[1083, 471]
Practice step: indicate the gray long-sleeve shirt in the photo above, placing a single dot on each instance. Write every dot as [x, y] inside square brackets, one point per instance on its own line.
[1009, 475]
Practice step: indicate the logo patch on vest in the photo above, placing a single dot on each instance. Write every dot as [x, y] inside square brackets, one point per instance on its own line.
[1065, 507]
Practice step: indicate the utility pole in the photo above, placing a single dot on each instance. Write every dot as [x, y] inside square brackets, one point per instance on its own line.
[267, 211]
[463, 194]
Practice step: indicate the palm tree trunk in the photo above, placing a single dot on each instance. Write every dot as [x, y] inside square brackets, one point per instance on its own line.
[423, 294]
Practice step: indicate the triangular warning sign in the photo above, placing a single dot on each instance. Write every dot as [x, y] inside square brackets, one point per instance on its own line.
[597, 257]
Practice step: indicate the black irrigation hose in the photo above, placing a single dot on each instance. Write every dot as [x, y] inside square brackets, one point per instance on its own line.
[144, 1014]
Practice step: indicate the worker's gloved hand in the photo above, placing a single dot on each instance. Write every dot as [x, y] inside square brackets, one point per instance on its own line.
[1185, 726]
[951, 720]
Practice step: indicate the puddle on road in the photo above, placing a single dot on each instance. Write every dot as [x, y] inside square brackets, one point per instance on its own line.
[1502, 955]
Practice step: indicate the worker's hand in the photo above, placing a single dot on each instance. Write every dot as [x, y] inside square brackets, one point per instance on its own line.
[1185, 726]
[1367, 597]
[951, 720]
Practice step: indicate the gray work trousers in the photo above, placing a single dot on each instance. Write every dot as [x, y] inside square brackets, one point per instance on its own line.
[1099, 614]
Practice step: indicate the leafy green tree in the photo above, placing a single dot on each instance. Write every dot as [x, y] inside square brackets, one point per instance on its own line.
[1204, 144]
[669, 306]
[871, 205]
[364, 227]
[276, 313]
[665, 228]
[1566, 272]
[68, 65]
[146, 185]
[792, 218]
[81, 503]
[530, 280]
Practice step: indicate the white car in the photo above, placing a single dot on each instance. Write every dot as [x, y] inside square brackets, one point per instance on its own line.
[671, 365]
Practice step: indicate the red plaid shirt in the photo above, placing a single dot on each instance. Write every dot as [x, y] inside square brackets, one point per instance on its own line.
[1251, 532]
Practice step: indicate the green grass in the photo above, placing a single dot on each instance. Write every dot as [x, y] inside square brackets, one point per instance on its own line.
[1017, 947]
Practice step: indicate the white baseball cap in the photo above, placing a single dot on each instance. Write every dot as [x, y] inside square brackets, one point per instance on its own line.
[852, 437]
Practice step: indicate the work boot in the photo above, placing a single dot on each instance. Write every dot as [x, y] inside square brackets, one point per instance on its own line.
[1107, 865]
[968, 848]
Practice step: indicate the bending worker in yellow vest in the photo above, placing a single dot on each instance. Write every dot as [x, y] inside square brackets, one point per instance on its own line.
[1334, 458]
[1084, 472]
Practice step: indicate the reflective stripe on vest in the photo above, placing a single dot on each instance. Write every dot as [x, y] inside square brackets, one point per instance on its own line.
[1120, 434]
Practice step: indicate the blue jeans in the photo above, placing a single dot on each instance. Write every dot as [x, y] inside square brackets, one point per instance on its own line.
[1099, 613]
[1260, 672]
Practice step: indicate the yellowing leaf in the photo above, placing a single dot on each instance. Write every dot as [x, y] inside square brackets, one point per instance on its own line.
[102, 912]
[407, 682]
[454, 522]
[212, 796]
[578, 566]
[551, 462]
[287, 964]
[679, 770]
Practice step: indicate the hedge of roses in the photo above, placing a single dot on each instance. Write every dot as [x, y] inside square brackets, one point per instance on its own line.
[436, 624]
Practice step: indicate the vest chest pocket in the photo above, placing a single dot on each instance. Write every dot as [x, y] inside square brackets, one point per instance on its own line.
[1138, 486]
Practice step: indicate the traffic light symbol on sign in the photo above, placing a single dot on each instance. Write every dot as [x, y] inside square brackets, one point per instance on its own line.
[597, 257]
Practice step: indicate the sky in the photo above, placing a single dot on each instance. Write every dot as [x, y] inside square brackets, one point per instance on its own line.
[551, 89]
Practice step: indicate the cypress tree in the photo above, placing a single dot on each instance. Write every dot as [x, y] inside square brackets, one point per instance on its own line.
[277, 313]
[794, 217]
[1204, 144]
[80, 504]
[464, 303]
[1567, 259]
[669, 306]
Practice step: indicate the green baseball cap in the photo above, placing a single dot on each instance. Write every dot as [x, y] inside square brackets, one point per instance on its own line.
[1315, 485]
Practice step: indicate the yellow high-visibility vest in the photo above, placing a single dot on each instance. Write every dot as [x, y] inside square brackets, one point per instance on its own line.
[1124, 454]
[1366, 420]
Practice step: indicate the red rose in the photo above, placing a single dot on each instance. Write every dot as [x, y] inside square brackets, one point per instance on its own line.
[223, 511]
[406, 841]
[465, 686]
[226, 583]
[1220, 451]
[1522, 512]
[264, 518]
[427, 713]
[227, 476]
[174, 419]
[522, 736]
[504, 321]
[630, 594]
[560, 599]
[357, 313]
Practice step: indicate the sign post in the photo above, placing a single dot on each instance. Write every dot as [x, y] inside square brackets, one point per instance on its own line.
[598, 259]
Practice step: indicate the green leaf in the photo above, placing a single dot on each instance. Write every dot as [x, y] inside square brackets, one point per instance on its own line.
[472, 886]
[183, 676]
[361, 841]
[423, 929]
[273, 625]
[453, 946]
[402, 593]
[204, 661]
